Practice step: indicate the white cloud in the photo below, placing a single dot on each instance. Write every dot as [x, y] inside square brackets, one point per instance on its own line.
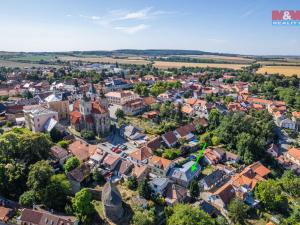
[216, 40]
[132, 29]
[247, 13]
[68, 15]
[141, 14]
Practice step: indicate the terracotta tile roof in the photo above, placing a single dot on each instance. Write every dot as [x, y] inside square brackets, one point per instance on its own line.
[175, 193]
[187, 109]
[296, 114]
[58, 152]
[160, 162]
[149, 100]
[260, 101]
[76, 105]
[141, 154]
[201, 121]
[97, 108]
[5, 213]
[226, 193]
[124, 167]
[185, 130]
[250, 176]
[191, 101]
[140, 170]
[82, 150]
[75, 117]
[294, 152]
[111, 159]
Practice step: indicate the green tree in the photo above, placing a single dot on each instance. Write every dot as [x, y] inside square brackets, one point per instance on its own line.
[238, 211]
[144, 189]
[194, 189]
[132, 183]
[291, 183]
[82, 206]
[57, 192]
[269, 192]
[63, 143]
[214, 119]
[29, 198]
[55, 135]
[182, 214]
[71, 164]
[39, 175]
[145, 217]
[120, 114]
[88, 135]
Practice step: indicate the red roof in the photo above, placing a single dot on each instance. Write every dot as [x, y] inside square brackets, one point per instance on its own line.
[75, 117]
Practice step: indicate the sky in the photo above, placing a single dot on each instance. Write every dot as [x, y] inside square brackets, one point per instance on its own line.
[225, 26]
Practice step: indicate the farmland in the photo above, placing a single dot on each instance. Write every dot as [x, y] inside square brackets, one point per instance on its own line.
[130, 60]
[286, 70]
[6, 63]
[166, 65]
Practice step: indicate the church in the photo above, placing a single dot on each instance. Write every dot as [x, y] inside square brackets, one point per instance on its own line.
[90, 112]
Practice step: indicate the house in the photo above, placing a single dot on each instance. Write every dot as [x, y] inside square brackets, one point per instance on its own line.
[110, 162]
[112, 203]
[155, 143]
[188, 110]
[170, 139]
[222, 196]
[6, 214]
[82, 150]
[151, 114]
[231, 157]
[159, 185]
[133, 107]
[149, 101]
[175, 194]
[36, 117]
[273, 150]
[293, 155]
[141, 155]
[60, 154]
[287, 123]
[245, 181]
[78, 176]
[213, 156]
[185, 132]
[131, 132]
[160, 166]
[184, 175]
[140, 172]
[41, 217]
[208, 208]
[123, 168]
[121, 97]
[212, 180]
[98, 157]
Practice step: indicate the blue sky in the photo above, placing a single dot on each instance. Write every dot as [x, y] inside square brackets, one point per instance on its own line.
[231, 26]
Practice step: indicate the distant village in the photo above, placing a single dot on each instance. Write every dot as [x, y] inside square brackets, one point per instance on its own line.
[140, 132]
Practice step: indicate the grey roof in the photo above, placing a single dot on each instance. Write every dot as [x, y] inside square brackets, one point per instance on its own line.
[185, 173]
[50, 124]
[111, 195]
[214, 177]
[159, 181]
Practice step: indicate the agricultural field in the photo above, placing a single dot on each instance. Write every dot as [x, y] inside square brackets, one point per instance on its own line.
[285, 70]
[130, 60]
[220, 58]
[166, 65]
[5, 63]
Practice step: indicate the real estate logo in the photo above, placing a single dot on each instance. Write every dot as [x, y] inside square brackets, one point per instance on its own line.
[286, 17]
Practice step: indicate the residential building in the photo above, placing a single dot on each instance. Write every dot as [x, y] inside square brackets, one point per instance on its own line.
[133, 107]
[41, 217]
[111, 161]
[212, 180]
[37, 117]
[184, 175]
[78, 176]
[140, 155]
[175, 194]
[121, 97]
[170, 139]
[293, 155]
[60, 154]
[82, 150]
[140, 172]
[160, 166]
[159, 185]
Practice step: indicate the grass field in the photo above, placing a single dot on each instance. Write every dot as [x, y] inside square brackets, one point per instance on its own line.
[166, 65]
[285, 70]
[106, 60]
